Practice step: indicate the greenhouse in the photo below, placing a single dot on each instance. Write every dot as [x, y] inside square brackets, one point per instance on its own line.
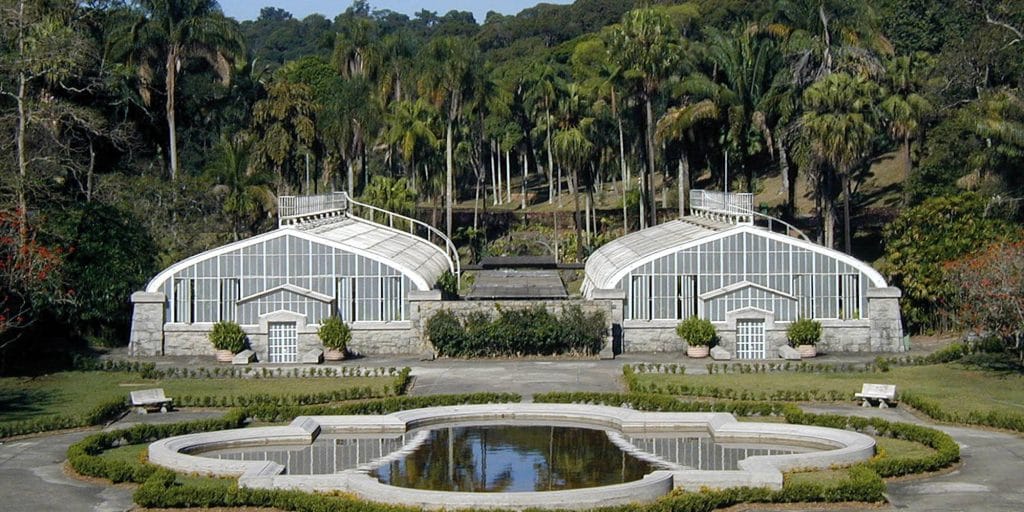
[324, 259]
[723, 264]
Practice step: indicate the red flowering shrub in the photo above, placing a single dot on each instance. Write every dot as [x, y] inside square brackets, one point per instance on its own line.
[30, 276]
[989, 292]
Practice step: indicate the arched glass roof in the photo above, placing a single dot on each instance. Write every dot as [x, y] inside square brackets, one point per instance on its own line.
[415, 257]
[608, 264]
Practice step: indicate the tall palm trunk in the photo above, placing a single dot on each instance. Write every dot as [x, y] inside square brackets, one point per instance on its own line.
[684, 183]
[650, 159]
[171, 83]
[846, 212]
[551, 159]
[449, 175]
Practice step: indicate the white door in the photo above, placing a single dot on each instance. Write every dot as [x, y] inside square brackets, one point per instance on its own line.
[283, 342]
[750, 339]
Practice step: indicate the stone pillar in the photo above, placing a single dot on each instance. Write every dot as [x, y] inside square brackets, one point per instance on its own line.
[422, 305]
[886, 324]
[147, 335]
[615, 301]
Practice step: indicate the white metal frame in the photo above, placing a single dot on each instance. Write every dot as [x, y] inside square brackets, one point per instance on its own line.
[750, 338]
[282, 342]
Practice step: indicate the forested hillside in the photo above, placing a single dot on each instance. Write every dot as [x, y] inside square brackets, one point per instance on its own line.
[135, 133]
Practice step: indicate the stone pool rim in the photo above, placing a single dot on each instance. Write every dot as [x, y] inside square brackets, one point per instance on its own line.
[757, 471]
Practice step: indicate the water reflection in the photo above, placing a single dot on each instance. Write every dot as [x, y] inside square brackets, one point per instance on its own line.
[328, 454]
[701, 452]
[513, 459]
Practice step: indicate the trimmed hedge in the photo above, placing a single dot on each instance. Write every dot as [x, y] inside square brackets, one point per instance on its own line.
[160, 488]
[995, 419]
[84, 456]
[110, 410]
[103, 413]
[517, 332]
[947, 451]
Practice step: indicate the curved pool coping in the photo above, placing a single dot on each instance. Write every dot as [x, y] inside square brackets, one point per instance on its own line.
[840, 447]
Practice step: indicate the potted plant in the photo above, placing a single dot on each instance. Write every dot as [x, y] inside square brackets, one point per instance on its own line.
[699, 334]
[229, 339]
[335, 335]
[803, 335]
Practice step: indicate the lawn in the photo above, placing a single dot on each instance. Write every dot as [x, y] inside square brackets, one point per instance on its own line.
[956, 388]
[78, 393]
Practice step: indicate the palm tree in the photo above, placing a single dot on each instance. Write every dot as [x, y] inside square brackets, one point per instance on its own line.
[452, 62]
[838, 127]
[285, 121]
[393, 195]
[246, 190]
[904, 108]
[574, 148]
[544, 90]
[825, 36]
[1003, 127]
[677, 125]
[645, 45]
[410, 127]
[165, 34]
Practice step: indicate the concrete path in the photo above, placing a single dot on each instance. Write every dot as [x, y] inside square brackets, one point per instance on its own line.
[32, 479]
[988, 479]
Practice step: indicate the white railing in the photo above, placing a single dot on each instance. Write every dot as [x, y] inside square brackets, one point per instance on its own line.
[415, 227]
[737, 207]
[296, 207]
[728, 203]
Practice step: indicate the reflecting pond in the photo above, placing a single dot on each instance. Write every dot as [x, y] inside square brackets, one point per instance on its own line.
[492, 458]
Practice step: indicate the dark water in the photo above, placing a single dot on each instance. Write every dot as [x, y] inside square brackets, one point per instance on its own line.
[513, 459]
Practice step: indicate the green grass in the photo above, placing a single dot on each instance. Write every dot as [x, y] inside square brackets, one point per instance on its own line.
[901, 448]
[74, 393]
[957, 389]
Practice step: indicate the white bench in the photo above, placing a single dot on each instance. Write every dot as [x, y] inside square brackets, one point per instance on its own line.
[885, 394]
[145, 399]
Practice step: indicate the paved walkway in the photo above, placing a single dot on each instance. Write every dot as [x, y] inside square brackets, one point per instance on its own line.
[988, 479]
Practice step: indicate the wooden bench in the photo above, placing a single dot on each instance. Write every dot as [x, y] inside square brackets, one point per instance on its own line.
[885, 394]
[145, 399]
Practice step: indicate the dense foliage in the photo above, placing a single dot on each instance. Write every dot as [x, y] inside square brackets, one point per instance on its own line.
[926, 236]
[177, 127]
[517, 332]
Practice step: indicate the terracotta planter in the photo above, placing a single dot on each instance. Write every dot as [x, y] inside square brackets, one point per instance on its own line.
[697, 351]
[807, 350]
[331, 354]
[225, 356]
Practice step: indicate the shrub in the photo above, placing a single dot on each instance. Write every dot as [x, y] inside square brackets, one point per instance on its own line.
[804, 332]
[228, 336]
[695, 331]
[517, 332]
[334, 333]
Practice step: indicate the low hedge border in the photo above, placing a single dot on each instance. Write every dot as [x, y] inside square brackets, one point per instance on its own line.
[102, 413]
[162, 491]
[110, 410]
[150, 371]
[947, 451]
[84, 456]
[160, 488]
[932, 409]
